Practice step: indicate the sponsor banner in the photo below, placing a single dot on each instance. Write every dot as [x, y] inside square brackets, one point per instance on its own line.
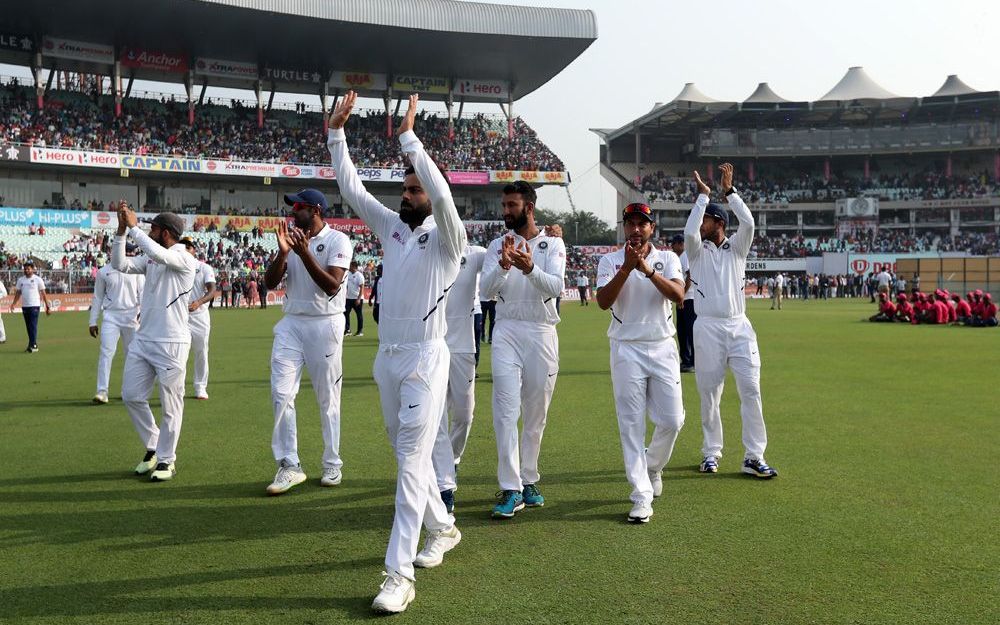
[534, 177]
[78, 50]
[277, 74]
[776, 264]
[16, 42]
[44, 217]
[161, 163]
[9, 152]
[465, 87]
[468, 177]
[60, 156]
[239, 168]
[347, 226]
[591, 250]
[862, 264]
[140, 58]
[419, 84]
[225, 69]
[358, 80]
[857, 208]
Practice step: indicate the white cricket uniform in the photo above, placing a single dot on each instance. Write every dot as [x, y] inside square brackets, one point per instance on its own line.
[118, 296]
[525, 352]
[159, 349]
[645, 367]
[411, 368]
[355, 282]
[311, 333]
[201, 327]
[3, 331]
[463, 301]
[723, 335]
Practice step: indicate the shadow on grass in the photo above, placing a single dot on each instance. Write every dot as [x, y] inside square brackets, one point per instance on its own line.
[125, 596]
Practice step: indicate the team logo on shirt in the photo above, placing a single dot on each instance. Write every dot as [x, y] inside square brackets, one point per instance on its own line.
[543, 245]
[658, 266]
[423, 238]
[320, 247]
[725, 245]
[463, 260]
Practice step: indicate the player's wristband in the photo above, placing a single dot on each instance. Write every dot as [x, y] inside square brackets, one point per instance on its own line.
[650, 274]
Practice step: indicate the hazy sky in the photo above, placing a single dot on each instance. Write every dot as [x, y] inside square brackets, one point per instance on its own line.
[646, 50]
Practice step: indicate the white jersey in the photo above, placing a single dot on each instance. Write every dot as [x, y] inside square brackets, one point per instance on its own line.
[303, 296]
[582, 282]
[779, 281]
[717, 272]
[419, 265]
[463, 300]
[883, 279]
[355, 282]
[116, 292]
[31, 290]
[641, 312]
[686, 269]
[530, 297]
[3, 290]
[203, 276]
[166, 293]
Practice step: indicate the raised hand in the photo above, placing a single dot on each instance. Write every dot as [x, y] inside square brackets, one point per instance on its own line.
[506, 249]
[521, 257]
[411, 115]
[282, 233]
[338, 117]
[633, 256]
[727, 176]
[702, 187]
[299, 241]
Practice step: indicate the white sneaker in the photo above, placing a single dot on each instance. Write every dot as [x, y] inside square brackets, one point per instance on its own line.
[147, 464]
[163, 472]
[656, 479]
[201, 394]
[640, 513]
[285, 478]
[100, 398]
[396, 593]
[331, 477]
[437, 544]
[360, 334]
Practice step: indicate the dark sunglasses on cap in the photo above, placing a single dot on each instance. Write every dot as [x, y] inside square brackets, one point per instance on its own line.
[638, 208]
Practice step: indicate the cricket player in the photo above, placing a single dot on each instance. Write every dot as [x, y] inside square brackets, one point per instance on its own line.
[314, 256]
[525, 270]
[3, 331]
[463, 302]
[637, 283]
[117, 297]
[685, 310]
[422, 249]
[199, 319]
[723, 336]
[159, 349]
[30, 289]
[355, 300]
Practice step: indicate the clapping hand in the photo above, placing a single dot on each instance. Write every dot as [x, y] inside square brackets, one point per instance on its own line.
[727, 176]
[635, 256]
[506, 250]
[411, 115]
[338, 117]
[298, 241]
[702, 187]
[282, 233]
[521, 257]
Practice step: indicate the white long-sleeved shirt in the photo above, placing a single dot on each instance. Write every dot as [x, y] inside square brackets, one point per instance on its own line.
[420, 265]
[116, 292]
[717, 271]
[463, 301]
[166, 294]
[532, 296]
[640, 312]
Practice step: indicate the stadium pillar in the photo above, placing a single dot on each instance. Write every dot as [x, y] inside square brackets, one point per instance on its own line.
[868, 170]
[450, 103]
[259, 90]
[461, 105]
[387, 99]
[36, 71]
[510, 118]
[826, 169]
[189, 88]
[323, 95]
[638, 154]
[751, 174]
[711, 171]
[116, 81]
[947, 166]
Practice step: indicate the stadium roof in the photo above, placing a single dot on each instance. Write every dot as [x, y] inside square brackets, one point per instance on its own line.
[855, 98]
[521, 45]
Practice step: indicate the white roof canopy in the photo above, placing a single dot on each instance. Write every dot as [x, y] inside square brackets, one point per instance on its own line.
[764, 95]
[857, 85]
[953, 85]
[690, 93]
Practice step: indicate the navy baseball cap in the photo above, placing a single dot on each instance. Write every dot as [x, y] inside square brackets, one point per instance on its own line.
[714, 210]
[677, 238]
[307, 196]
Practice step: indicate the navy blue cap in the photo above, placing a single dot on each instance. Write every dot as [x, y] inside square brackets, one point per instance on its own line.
[307, 196]
[714, 210]
[677, 238]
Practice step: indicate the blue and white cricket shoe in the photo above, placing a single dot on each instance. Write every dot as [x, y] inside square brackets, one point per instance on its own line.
[510, 503]
[758, 468]
[709, 465]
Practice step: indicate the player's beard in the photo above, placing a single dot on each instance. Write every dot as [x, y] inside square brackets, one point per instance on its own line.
[303, 221]
[412, 215]
[516, 223]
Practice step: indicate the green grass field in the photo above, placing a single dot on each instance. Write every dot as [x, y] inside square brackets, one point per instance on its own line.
[886, 509]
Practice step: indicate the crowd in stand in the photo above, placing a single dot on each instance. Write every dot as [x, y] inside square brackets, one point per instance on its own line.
[884, 241]
[147, 126]
[804, 188]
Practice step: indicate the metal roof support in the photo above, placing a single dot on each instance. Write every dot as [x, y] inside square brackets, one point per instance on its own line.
[259, 92]
[461, 105]
[450, 104]
[201, 96]
[324, 93]
[128, 87]
[510, 118]
[270, 99]
[189, 88]
[387, 99]
[36, 71]
[638, 154]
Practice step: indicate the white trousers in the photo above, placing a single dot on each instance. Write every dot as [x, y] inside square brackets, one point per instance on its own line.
[718, 344]
[450, 442]
[525, 366]
[150, 362]
[200, 324]
[113, 326]
[412, 383]
[317, 344]
[646, 377]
